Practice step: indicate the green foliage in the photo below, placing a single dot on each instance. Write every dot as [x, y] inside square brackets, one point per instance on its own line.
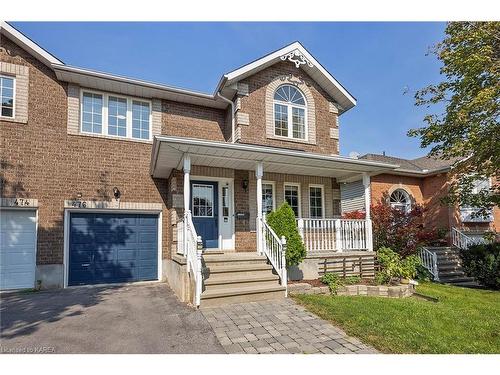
[402, 231]
[351, 280]
[467, 131]
[332, 280]
[483, 263]
[282, 221]
[393, 267]
[423, 274]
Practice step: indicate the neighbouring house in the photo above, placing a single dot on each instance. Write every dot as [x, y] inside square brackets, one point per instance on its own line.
[107, 179]
[423, 181]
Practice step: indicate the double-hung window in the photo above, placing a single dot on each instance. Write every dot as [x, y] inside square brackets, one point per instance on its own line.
[292, 197]
[267, 197]
[316, 209]
[290, 113]
[7, 93]
[116, 116]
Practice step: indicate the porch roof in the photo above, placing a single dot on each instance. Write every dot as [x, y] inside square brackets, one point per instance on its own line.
[168, 152]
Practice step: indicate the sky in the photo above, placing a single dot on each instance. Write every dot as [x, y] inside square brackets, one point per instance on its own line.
[380, 64]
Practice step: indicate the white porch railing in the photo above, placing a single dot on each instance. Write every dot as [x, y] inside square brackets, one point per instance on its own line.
[189, 244]
[429, 261]
[462, 241]
[320, 235]
[274, 248]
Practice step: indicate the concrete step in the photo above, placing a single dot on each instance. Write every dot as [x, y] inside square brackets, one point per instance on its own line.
[240, 281]
[450, 273]
[231, 259]
[450, 267]
[455, 279]
[227, 295]
[238, 269]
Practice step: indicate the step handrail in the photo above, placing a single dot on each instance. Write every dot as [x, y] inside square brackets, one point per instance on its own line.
[193, 253]
[429, 261]
[460, 240]
[274, 248]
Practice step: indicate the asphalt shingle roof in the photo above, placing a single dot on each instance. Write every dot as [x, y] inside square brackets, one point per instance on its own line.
[424, 163]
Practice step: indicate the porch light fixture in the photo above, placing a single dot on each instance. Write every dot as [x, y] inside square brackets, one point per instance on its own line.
[116, 193]
[244, 184]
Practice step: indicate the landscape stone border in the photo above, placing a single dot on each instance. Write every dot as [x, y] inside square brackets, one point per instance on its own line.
[393, 291]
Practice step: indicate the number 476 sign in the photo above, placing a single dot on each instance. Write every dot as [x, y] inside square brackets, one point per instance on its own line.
[21, 202]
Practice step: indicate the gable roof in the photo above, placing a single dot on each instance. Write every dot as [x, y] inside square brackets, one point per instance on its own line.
[424, 165]
[29, 45]
[298, 54]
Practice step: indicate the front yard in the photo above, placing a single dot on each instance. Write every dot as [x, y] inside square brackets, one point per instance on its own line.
[462, 321]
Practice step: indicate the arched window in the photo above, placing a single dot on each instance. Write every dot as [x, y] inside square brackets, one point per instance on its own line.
[400, 200]
[290, 112]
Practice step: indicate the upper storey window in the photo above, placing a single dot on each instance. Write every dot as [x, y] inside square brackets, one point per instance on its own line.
[116, 116]
[289, 112]
[7, 96]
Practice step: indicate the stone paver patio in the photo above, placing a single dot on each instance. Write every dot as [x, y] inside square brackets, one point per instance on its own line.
[278, 327]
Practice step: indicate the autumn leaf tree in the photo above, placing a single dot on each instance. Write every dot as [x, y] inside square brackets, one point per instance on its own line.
[466, 127]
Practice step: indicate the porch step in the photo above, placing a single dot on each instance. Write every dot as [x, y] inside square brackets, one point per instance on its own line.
[450, 268]
[238, 277]
[237, 294]
[242, 269]
[215, 260]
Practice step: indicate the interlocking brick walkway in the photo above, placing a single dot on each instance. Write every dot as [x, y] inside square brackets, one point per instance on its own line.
[278, 327]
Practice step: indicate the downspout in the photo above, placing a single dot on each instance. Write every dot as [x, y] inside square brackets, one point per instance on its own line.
[232, 115]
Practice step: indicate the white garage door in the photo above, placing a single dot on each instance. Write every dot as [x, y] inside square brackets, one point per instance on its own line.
[17, 250]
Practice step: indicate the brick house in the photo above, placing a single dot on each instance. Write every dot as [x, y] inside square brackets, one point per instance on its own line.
[422, 181]
[109, 179]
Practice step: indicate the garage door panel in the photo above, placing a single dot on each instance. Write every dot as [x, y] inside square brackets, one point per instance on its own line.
[120, 243]
[14, 256]
[18, 249]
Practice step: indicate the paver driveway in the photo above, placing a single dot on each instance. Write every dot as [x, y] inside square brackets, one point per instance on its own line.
[140, 318]
[278, 327]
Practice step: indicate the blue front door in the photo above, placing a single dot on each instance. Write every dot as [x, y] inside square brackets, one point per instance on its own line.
[204, 208]
[111, 248]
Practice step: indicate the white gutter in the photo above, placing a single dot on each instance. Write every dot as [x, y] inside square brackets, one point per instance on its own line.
[233, 127]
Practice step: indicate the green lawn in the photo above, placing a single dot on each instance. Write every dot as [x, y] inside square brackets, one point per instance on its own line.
[462, 321]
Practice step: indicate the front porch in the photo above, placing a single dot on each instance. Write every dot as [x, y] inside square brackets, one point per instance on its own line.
[221, 192]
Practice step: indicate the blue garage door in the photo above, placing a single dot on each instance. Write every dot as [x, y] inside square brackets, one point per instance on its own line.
[112, 248]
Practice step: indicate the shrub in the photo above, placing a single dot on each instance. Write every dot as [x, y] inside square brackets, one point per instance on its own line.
[351, 280]
[282, 221]
[392, 266]
[402, 231]
[332, 280]
[483, 263]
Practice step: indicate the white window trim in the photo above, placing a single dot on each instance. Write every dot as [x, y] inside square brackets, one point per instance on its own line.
[104, 114]
[14, 99]
[273, 188]
[289, 116]
[465, 212]
[409, 206]
[285, 184]
[322, 187]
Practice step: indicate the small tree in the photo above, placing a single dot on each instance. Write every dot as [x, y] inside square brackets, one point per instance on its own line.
[282, 221]
[399, 230]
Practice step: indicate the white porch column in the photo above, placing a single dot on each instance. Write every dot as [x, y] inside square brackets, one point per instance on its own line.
[187, 185]
[259, 172]
[187, 197]
[369, 237]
